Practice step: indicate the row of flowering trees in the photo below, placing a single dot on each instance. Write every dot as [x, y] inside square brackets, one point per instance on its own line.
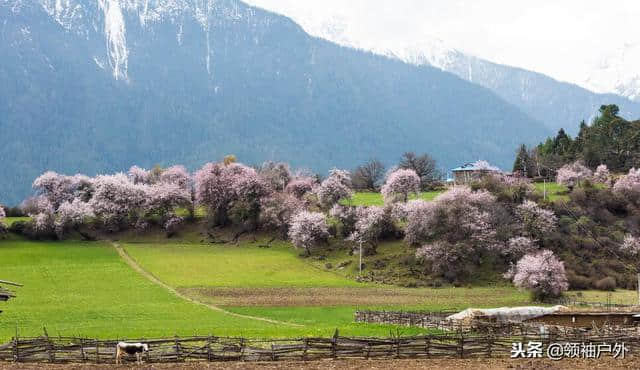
[452, 234]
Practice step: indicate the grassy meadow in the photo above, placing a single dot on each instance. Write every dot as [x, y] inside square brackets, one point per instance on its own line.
[554, 191]
[367, 198]
[85, 289]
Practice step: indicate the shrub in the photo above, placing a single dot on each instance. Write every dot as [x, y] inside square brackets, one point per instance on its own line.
[399, 184]
[608, 283]
[308, 229]
[571, 175]
[336, 187]
[541, 273]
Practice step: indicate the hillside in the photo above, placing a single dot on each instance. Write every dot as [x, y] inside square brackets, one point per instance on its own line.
[190, 83]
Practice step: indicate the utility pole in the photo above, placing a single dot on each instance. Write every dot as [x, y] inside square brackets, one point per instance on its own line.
[360, 264]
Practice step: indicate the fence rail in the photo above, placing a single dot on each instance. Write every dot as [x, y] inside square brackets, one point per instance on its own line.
[451, 345]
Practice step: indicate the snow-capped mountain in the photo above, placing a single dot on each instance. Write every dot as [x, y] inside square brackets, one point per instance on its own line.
[618, 73]
[96, 86]
[557, 104]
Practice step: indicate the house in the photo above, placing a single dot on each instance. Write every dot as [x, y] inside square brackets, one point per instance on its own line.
[588, 319]
[471, 172]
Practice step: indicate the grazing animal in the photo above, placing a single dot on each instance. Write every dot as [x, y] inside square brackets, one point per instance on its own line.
[131, 349]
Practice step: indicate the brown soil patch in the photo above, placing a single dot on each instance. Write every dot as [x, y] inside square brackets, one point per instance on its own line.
[306, 296]
[475, 364]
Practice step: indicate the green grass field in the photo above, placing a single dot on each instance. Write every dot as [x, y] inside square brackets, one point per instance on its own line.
[375, 199]
[10, 220]
[554, 191]
[85, 289]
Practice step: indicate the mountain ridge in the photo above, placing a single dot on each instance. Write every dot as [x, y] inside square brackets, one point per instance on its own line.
[267, 91]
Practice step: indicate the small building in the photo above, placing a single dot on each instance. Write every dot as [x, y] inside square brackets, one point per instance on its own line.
[588, 319]
[471, 172]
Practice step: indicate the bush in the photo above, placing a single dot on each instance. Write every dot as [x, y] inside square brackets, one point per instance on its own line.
[607, 283]
[579, 281]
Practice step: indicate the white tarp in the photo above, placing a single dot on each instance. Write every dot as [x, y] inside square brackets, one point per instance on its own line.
[505, 314]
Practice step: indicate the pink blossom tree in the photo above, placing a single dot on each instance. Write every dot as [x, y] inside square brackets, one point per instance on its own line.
[308, 229]
[459, 225]
[541, 273]
[177, 175]
[213, 188]
[3, 227]
[347, 216]
[571, 175]
[300, 186]
[221, 187]
[535, 221]
[444, 258]
[519, 246]
[372, 224]
[602, 175]
[163, 198]
[399, 184]
[117, 200]
[139, 175]
[336, 187]
[277, 175]
[485, 166]
[630, 245]
[277, 211]
[459, 214]
[72, 215]
[628, 184]
[55, 187]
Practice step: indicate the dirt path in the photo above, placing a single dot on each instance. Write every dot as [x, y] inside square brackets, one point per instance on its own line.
[135, 266]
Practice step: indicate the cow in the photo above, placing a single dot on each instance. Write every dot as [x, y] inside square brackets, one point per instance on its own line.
[131, 349]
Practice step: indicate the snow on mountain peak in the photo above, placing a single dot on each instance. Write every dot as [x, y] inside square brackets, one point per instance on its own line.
[618, 73]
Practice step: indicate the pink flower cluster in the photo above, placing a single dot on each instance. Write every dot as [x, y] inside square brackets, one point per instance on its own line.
[535, 221]
[336, 187]
[572, 174]
[308, 229]
[399, 184]
[630, 245]
[602, 175]
[540, 272]
[629, 183]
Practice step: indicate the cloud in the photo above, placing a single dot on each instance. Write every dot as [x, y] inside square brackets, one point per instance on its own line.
[564, 39]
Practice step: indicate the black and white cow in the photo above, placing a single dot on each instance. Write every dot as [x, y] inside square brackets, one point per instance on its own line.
[131, 349]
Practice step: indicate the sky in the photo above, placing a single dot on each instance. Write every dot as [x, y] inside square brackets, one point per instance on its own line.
[567, 39]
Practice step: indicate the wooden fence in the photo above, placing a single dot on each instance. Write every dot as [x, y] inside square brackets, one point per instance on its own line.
[452, 345]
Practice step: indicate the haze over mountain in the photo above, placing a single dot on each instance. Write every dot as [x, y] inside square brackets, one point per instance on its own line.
[557, 104]
[98, 86]
[587, 43]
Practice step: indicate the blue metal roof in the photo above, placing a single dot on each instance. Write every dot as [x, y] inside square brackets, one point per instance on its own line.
[466, 167]
[472, 167]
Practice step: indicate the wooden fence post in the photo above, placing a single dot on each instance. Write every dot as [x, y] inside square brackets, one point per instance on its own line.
[334, 345]
[461, 345]
[209, 357]
[242, 349]
[97, 351]
[16, 356]
[49, 345]
[178, 350]
[304, 351]
[427, 345]
[84, 357]
[489, 346]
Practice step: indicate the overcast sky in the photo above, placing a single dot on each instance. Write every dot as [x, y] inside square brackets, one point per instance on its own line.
[566, 39]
